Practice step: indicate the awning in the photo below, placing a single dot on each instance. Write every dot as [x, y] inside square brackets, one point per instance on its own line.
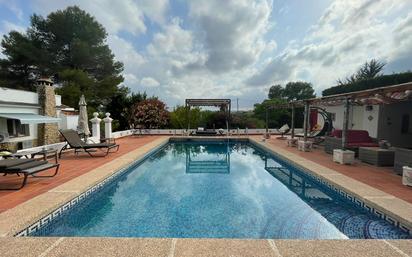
[29, 118]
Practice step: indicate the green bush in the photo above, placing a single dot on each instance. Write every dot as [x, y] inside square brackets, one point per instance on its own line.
[381, 81]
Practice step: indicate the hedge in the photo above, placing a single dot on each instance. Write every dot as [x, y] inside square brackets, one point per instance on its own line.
[381, 81]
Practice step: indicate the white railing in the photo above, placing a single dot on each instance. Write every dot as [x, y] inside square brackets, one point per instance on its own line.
[174, 132]
[180, 132]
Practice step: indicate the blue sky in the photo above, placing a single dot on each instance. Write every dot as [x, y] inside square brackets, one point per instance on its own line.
[238, 48]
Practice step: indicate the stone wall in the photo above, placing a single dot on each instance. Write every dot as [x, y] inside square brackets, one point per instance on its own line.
[14, 146]
[48, 132]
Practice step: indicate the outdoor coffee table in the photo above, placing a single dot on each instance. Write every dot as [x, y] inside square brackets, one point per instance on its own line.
[377, 156]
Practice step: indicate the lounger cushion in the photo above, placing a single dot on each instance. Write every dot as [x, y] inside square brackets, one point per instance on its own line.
[100, 145]
[4, 164]
[363, 144]
[24, 166]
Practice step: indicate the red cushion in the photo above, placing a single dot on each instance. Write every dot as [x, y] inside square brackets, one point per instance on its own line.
[337, 133]
[362, 144]
[358, 136]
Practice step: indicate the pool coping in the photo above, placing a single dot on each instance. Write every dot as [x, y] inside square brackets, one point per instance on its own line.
[196, 247]
[23, 215]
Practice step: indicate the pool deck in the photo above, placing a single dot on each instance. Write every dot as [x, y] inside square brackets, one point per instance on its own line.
[22, 208]
[171, 247]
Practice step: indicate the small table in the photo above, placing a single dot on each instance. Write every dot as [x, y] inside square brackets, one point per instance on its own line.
[343, 156]
[305, 146]
[377, 156]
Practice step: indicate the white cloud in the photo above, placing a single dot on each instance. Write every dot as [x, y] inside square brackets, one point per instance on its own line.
[231, 31]
[230, 49]
[125, 15]
[9, 26]
[348, 34]
[149, 82]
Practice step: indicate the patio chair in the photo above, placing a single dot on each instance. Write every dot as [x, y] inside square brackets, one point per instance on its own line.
[74, 141]
[26, 167]
[283, 131]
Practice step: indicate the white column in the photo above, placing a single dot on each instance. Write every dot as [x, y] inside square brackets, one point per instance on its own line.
[108, 126]
[96, 126]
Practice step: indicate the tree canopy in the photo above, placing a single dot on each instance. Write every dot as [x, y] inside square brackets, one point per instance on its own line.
[368, 70]
[69, 46]
[150, 113]
[298, 90]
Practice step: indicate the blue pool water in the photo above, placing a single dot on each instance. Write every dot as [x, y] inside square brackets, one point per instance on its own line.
[218, 190]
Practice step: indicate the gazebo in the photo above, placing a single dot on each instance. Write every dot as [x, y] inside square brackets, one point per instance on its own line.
[223, 104]
[381, 96]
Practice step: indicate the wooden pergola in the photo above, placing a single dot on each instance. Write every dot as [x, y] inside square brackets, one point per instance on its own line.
[223, 104]
[381, 95]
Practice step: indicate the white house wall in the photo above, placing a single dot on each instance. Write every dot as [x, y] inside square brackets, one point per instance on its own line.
[371, 120]
[68, 121]
[22, 96]
[359, 118]
[19, 96]
[19, 109]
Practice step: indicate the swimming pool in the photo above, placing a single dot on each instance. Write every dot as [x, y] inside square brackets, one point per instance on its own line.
[217, 189]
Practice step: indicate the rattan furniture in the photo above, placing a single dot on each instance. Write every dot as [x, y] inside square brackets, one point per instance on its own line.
[377, 156]
[403, 157]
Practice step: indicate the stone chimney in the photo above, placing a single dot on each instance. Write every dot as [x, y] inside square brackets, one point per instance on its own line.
[47, 132]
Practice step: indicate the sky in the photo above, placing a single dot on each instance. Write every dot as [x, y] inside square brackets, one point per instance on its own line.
[237, 49]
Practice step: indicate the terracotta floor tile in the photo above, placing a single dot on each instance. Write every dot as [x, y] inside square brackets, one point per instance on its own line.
[71, 166]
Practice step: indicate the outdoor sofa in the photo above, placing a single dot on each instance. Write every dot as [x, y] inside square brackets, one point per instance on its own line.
[26, 167]
[75, 142]
[355, 139]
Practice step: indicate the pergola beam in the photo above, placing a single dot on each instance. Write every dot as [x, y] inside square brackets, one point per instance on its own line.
[224, 104]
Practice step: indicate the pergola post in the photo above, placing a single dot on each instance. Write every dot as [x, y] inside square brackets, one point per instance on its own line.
[292, 125]
[306, 121]
[229, 116]
[267, 120]
[345, 123]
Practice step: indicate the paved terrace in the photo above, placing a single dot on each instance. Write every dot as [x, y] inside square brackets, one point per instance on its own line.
[40, 197]
[382, 178]
[171, 247]
[71, 167]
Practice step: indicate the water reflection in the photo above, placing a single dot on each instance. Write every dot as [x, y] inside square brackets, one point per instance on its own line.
[353, 221]
[207, 158]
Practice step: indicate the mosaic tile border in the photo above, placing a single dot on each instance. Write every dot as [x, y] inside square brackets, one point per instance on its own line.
[352, 198]
[41, 223]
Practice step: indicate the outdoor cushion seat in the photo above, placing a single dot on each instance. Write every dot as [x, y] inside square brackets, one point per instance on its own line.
[4, 164]
[98, 145]
[354, 140]
[27, 167]
[363, 144]
[24, 166]
[74, 141]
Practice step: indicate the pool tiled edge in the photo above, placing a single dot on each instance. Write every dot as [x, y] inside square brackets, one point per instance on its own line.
[177, 247]
[388, 207]
[33, 212]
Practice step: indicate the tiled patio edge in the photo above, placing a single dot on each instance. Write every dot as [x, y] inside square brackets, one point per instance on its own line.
[181, 247]
[388, 204]
[25, 214]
